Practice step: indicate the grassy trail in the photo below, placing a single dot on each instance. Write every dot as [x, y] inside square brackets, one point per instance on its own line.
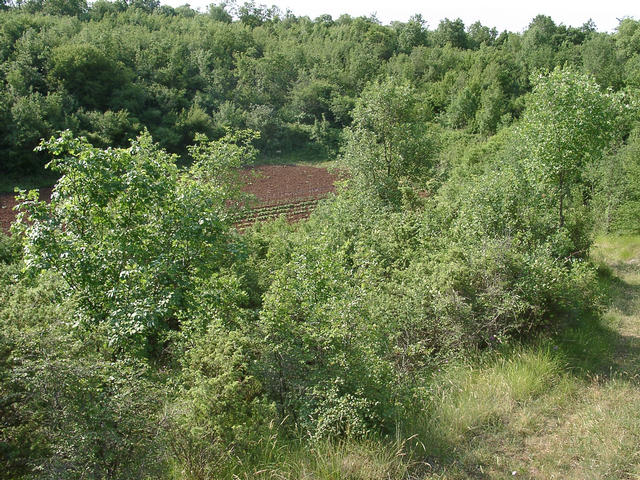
[625, 309]
[593, 431]
[568, 408]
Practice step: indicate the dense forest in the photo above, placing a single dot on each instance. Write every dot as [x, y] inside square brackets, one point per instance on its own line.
[109, 71]
[143, 336]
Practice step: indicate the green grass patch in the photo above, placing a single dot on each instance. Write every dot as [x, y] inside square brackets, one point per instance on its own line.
[313, 157]
[614, 249]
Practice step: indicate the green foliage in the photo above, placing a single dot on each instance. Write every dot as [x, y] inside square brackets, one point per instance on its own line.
[388, 144]
[568, 124]
[181, 69]
[603, 61]
[68, 411]
[110, 128]
[322, 359]
[9, 249]
[87, 73]
[131, 234]
[222, 414]
[452, 33]
[219, 13]
[411, 34]
[472, 195]
[364, 297]
[57, 7]
[617, 196]
[538, 43]
[409, 284]
[462, 109]
[491, 111]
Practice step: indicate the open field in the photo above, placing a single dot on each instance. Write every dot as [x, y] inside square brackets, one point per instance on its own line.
[291, 190]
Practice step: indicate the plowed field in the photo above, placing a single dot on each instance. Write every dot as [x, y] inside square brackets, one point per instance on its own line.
[292, 190]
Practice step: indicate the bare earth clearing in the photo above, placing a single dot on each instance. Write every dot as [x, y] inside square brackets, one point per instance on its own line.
[292, 190]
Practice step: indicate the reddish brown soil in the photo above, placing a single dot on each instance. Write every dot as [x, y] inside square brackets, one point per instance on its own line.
[7, 202]
[295, 189]
[289, 185]
[282, 183]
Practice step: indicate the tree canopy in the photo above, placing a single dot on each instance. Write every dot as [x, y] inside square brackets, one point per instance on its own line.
[181, 72]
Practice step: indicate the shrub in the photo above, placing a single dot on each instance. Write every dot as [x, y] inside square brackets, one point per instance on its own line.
[617, 196]
[67, 411]
[222, 416]
[9, 249]
[131, 233]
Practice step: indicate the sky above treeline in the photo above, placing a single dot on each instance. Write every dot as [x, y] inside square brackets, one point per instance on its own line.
[503, 14]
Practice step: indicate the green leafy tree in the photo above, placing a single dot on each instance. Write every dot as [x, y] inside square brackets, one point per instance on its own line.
[388, 143]
[68, 409]
[452, 32]
[601, 60]
[412, 33]
[618, 195]
[492, 106]
[539, 43]
[87, 73]
[131, 233]
[222, 413]
[74, 8]
[569, 123]
[219, 13]
[481, 35]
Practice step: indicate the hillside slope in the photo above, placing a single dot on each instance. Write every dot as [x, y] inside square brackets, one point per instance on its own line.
[566, 407]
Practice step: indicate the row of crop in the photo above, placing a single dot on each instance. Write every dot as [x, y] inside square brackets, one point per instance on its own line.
[299, 209]
[281, 207]
[298, 213]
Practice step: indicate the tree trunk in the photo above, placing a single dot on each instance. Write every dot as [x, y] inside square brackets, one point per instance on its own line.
[561, 212]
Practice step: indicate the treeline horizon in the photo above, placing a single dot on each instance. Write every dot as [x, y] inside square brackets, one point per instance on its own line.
[110, 70]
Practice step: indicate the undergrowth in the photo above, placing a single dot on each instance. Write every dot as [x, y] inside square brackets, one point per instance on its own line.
[565, 405]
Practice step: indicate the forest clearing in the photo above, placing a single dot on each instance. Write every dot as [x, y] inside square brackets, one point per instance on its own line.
[289, 190]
